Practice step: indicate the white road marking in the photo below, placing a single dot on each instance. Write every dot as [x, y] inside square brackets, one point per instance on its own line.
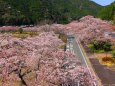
[82, 55]
[84, 59]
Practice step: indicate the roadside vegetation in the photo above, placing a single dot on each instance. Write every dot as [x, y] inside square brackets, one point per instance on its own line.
[104, 51]
[20, 33]
[24, 34]
[63, 37]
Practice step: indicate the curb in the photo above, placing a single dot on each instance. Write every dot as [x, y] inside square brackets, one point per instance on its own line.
[90, 65]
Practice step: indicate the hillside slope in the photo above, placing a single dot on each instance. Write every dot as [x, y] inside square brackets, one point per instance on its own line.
[34, 11]
[108, 12]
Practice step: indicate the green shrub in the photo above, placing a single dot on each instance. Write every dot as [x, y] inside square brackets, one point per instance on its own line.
[100, 51]
[113, 53]
[100, 46]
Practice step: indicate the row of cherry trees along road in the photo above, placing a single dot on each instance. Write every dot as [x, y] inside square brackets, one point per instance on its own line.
[38, 61]
[87, 29]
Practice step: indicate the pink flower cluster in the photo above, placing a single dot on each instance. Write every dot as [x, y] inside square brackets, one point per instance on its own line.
[8, 28]
[40, 57]
[89, 28]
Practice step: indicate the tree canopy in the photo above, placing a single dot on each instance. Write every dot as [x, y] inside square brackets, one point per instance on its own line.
[21, 12]
[108, 12]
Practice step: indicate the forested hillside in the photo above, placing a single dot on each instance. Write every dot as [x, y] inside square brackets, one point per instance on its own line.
[19, 12]
[108, 12]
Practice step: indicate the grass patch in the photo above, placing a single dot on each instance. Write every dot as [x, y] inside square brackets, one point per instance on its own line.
[63, 46]
[113, 53]
[24, 34]
[108, 61]
[99, 51]
[20, 35]
[63, 37]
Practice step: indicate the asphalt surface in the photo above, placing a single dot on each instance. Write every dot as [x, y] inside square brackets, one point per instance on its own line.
[106, 75]
[74, 47]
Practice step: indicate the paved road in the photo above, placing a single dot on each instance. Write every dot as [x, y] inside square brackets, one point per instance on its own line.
[74, 47]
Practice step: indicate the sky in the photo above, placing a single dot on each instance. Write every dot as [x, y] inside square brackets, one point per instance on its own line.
[103, 2]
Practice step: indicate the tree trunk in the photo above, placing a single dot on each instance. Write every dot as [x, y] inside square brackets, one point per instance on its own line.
[22, 80]
[106, 54]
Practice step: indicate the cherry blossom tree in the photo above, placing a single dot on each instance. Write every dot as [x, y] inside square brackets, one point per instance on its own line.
[38, 61]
